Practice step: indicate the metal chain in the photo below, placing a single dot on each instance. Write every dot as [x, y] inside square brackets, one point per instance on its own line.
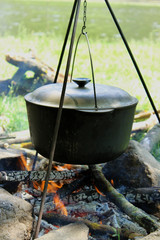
[84, 15]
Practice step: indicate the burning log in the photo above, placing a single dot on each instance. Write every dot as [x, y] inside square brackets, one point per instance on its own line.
[18, 176]
[133, 212]
[67, 189]
[30, 153]
[94, 228]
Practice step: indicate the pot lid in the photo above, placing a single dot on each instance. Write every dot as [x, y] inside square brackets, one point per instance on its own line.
[81, 97]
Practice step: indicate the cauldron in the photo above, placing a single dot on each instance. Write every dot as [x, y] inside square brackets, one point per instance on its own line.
[87, 135]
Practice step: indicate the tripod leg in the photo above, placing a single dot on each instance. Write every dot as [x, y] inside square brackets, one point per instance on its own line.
[133, 59]
[58, 119]
[65, 40]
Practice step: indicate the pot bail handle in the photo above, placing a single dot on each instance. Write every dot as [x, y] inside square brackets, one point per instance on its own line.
[91, 62]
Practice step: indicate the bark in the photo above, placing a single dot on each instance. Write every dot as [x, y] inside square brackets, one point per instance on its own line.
[18, 176]
[30, 62]
[145, 125]
[133, 212]
[143, 115]
[16, 137]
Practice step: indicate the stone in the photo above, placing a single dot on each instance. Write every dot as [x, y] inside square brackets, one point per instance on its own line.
[153, 236]
[78, 231]
[136, 168]
[15, 217]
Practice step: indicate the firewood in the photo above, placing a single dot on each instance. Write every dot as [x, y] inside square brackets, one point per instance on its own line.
[67, 189]
[144, 114]
[87, 196]
[17, 137]
[29, 62]
[136, 214]
[18, 176]
[143, 195]
[95, 228]
[30, 153]
[145, 125]
[151, 138]
[148, 199]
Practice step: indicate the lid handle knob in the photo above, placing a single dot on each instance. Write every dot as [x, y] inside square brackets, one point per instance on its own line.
[81, 82]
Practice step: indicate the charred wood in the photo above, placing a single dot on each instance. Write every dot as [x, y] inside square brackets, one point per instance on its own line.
[136, 214]
[143, 195]
[19, 176]
[67, 189]
[87, 196]
[147, 199]
[94, 228]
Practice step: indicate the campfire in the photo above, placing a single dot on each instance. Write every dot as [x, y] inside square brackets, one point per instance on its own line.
[81, 194]
[113, 192]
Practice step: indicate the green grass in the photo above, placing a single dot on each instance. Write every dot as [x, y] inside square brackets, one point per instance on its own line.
[112, 66]
[12, 114]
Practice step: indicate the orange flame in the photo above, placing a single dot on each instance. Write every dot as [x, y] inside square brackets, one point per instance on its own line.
[23, 163]
[65, 166]
[99, 191]
[52, 186]
[59, 205]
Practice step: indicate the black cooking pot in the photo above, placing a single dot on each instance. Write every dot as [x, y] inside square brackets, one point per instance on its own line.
[87, 135]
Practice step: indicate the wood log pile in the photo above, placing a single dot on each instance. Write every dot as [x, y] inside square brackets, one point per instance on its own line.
[42, 73]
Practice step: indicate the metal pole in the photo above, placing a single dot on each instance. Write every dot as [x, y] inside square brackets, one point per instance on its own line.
[58, 119]
[65, 41]
[133, 59]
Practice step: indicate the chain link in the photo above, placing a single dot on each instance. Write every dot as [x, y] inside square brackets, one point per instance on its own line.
[84, 15]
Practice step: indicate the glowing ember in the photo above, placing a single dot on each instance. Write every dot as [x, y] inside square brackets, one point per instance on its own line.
[112, 182]
[99, 191]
